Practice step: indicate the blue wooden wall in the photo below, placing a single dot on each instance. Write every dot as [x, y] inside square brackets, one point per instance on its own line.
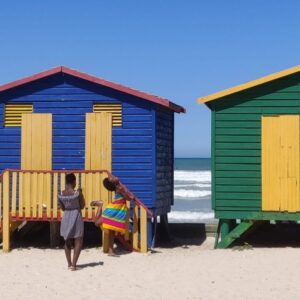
[164, 160]
[134, 144]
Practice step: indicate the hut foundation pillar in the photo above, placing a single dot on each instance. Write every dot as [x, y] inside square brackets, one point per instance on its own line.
[54, 234]
[165, 228]
[226, 225]
[229, 232]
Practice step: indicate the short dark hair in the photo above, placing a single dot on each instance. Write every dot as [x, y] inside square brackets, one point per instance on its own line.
[109, 185]
[71, 179]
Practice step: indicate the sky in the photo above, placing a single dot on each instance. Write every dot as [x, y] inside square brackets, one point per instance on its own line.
[177, 49]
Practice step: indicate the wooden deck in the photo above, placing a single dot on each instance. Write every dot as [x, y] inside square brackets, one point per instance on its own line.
[32, 195]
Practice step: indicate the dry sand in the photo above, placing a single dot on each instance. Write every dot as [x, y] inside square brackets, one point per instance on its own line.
[192, 272]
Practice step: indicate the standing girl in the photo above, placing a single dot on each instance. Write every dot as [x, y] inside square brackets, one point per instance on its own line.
[71, 202]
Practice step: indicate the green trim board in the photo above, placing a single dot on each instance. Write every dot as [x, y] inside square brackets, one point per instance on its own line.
[256, 215]
[213, 163]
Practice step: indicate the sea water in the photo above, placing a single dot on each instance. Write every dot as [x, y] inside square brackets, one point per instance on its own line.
[192, 191]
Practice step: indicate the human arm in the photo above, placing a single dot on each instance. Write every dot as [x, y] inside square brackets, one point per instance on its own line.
[60, 204]
[81, 199]
[124, 192]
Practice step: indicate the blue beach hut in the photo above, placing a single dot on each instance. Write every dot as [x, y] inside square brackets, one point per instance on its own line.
[65, 119]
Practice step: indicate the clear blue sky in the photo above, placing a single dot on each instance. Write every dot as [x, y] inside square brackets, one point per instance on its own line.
[176, 49]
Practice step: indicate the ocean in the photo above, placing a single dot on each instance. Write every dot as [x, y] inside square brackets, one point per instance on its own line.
[192, 191]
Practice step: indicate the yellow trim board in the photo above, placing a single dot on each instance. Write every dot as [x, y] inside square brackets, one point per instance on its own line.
[249, 84]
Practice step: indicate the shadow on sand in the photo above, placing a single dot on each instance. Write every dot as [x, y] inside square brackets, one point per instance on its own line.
[182, 235]
[38, 236]
[279, 235]
[91, 265]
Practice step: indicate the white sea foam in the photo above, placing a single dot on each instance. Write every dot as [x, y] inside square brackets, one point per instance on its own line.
[182, 193]
[191, 185]
[189, 216]
[193, 176]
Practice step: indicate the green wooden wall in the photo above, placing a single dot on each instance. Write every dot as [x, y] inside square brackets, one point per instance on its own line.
[236, 144]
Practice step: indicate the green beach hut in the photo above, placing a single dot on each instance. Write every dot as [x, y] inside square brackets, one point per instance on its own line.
[255, 153]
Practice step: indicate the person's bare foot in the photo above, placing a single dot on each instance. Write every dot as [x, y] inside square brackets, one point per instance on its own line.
[112, 253]
[96, 203]
[75, 268]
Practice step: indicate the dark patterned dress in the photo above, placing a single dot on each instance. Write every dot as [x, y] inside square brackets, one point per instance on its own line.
[71, 223]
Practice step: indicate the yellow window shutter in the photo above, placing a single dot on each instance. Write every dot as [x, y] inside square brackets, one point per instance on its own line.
[13, 113]
[114, 108]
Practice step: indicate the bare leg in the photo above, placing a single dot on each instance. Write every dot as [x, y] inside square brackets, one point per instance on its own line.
[111, 240]
[68, 252]
[98, 216]
[77, 250]
[98, 222]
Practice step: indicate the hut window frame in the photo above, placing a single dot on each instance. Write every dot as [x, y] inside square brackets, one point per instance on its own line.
[12, 113]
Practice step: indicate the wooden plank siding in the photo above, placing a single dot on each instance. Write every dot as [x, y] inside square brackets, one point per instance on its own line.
[164, 161]
[236, 143]
[68, 99]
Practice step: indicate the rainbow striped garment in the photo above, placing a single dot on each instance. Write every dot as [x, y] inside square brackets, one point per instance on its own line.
[114, 215]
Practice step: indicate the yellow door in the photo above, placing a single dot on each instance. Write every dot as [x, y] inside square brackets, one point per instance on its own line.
[280, 163]
[98, 140]
[98, 156]
[36, 140]
[36, 154]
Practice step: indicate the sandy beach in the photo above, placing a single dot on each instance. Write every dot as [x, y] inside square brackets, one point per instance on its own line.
[184, 272]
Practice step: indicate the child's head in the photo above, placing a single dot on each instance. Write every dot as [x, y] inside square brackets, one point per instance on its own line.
[71, 180]
[109, 185]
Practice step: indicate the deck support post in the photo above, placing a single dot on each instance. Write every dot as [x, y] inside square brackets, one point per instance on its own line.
[54, 234]
[226, 225]
[217, 235]
[224, 228]
[105, 240]
[165, 228]
[6, 218]
[228, 235]
[143, 231]
[152, 234]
